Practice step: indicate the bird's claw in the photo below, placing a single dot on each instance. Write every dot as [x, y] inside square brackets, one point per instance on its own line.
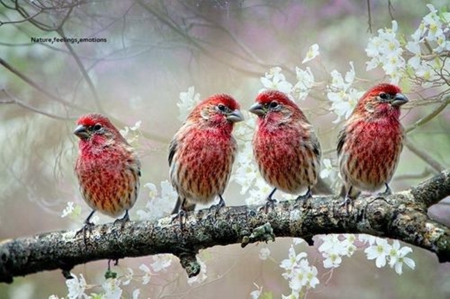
[386, 192]
[180, 215]
[347, 202]
[87, 226]
[123, 220]
[304, 198]
[216, 207]
[270, 204]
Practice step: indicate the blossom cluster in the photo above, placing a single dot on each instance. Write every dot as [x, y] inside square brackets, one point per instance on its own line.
[300, 274]
[427, 50]
[112, 288]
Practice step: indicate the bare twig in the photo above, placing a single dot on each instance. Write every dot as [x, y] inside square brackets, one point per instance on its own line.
[15, 100]
[83, 71]
[430, 116]
[369, 17]
[36, 86]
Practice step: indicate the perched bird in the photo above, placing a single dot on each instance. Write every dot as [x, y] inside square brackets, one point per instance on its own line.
[285, 146]
[202, 152]
[107, 167]
[370, 143]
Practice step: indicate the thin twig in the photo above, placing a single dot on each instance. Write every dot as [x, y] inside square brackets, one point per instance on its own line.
[36, 86]
[369, 15]
[82, 70]
[15, 100]
[430, 116]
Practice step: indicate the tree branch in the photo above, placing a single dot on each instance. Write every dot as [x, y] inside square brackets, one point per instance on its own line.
[401, 216]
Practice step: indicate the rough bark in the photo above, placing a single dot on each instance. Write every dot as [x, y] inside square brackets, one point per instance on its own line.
[401, 216]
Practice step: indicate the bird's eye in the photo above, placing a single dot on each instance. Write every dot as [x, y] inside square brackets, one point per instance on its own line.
[384, 96]
[97, 127]
[222, 107]
[273, 104]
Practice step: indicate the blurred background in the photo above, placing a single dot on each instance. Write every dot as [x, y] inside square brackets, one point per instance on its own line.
[153, 51]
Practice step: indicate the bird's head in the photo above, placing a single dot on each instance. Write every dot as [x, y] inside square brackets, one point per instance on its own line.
[218, 110]
[96, 129]
[274, 107]
[382, 100]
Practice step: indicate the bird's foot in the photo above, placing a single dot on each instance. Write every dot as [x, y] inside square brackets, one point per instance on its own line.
[269, 205]
[216, 207]
[86, 227]
[348, 201]
[181, 216]
[305, 199]
[386, 192]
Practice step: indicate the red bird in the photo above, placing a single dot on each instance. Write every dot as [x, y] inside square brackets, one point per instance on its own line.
[285, 146]
[370, 143]
[107, 167]
[202, 152]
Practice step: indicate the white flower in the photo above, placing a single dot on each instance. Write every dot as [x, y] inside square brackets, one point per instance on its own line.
[343, 97]
[136, 293]
[274, 79]
[305, 83]
[432, 33]
[291, 262]
[135, 129]
[259, 192]
[153, 192]
[385, 51]
[68, 209]
[368, 239]
[332, 260]
[187, 102]
[331, 243]
[264, 253]
[297, 241]
[327, 168]
[161, 262]
[313, 52]
[293, 259]
[349, 244]
[76, 287]
[136, 126]
[256, 293]
[332, 249]
[167, 190]
[128, 277]
[158, 206]
[147, 274]
[304, 276]
[245, 174]
[112, 289]
[397, 257]
[378, 251]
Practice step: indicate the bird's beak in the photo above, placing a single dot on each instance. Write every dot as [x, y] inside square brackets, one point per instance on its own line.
[81, 132]
[399, 100]
[235, 116]
[257, 109]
